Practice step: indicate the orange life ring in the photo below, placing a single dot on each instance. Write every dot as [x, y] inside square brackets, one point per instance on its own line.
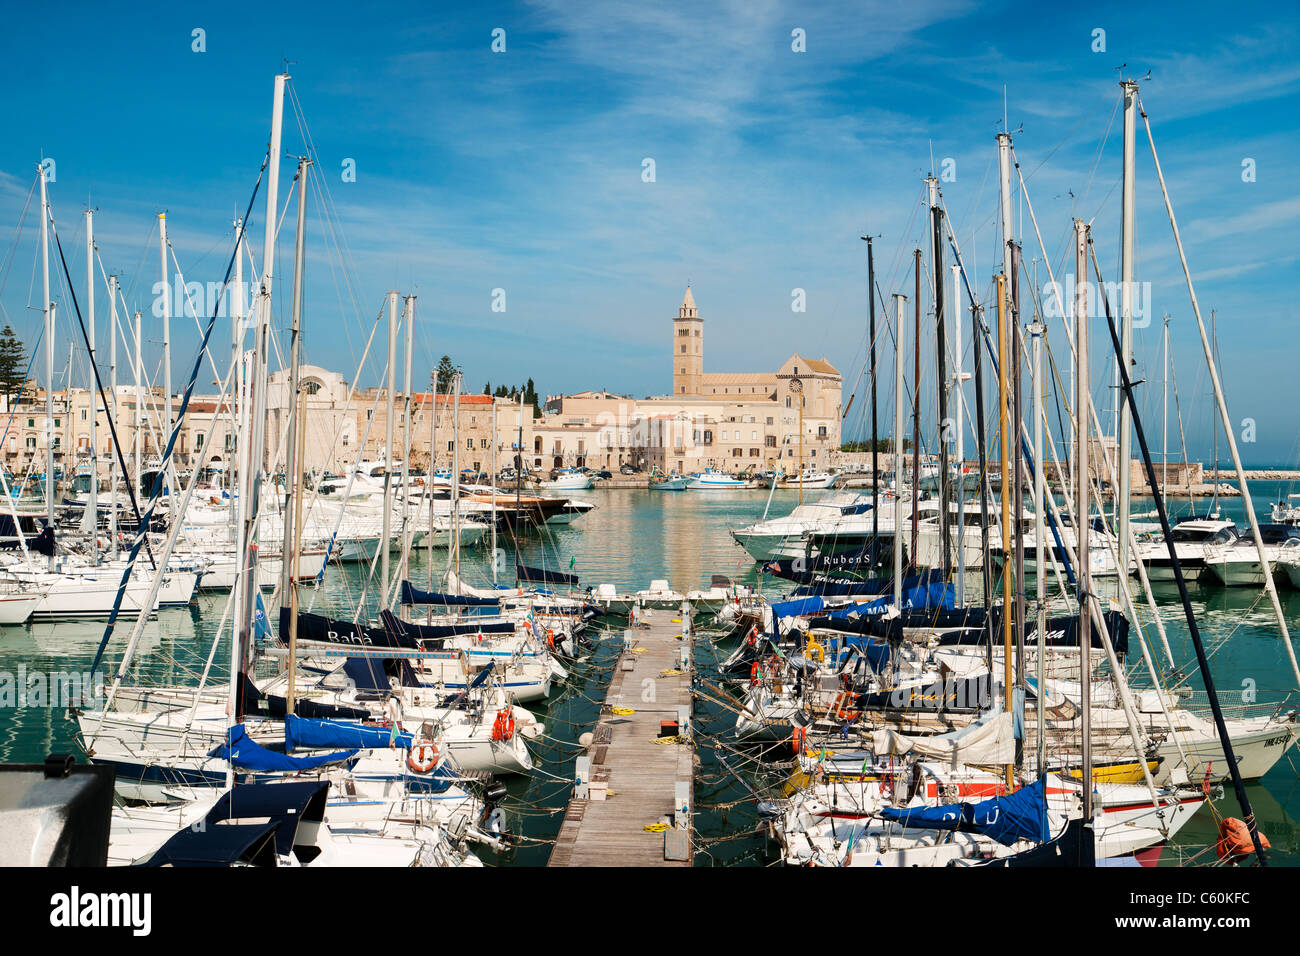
[799, 738]
[423, 756]
[550, 638]
[751, 638]
[1235, 843]
[503, 728]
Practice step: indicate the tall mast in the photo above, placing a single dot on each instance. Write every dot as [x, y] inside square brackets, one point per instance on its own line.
[93, 504]
[408, 322]
[1003, 350]
[290, 546]
[112, 412]
[240, 298]
[1036, 331]
[1017, 465]
[247, 591]
[140, 418]
[48, 307]
[941, 346]
[899, 299]
[916, 406]
[168, 469]
[293, 467]
[958, 379]
[387, 518]
[455, 474]
[875, 455]
[1128, 205]
[1082, 524]
[1164, 413]
[494, 490]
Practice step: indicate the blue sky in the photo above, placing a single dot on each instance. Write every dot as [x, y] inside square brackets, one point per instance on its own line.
[523, 171]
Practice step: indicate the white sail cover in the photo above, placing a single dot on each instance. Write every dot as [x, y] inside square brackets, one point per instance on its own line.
[990, 740]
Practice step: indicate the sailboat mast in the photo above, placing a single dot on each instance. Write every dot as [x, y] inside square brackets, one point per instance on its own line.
[916, 406]
[494, 490]
[1082, 523]
[169, 470]
[387, 518]
[941, 348]
[293, 466]
[1007, 649]
[958, 380]
[899, 300]
[140, 419]
[455, 475]
[1036, 331]
[92, 504]
[48, 307]
[408, 319]
[1164, 413]
[290, 545]
[1127, 217]
[253, 448]
[1016, 343]
[112, 412]
[875, 454]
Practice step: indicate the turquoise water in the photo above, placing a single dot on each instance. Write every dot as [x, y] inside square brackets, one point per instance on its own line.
[631, 537]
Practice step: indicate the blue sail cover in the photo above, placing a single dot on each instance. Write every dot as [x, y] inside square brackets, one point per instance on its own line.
[1018, 816]
[303, 732]
[797, 608]
[934, 595]
[413, 595]
[245, 753]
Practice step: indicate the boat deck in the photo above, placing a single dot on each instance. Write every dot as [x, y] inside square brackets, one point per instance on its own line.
[644, 778]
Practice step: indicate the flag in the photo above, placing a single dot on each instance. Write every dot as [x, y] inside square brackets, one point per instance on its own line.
[572, 562]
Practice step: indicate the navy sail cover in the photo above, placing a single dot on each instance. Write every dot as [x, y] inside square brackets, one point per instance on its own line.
[1018, 816]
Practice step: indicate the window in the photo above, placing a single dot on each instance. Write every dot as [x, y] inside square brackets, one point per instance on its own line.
[31, 423]
[770, 441]
[31, 441]
[753, 436]
[58, 423]
[451, 445]
[737, 452]
[83, 414]
[753, 453]
[724, 436]
[347, 440]
[198, 440]
[469, 444]
[821, 431]
[683, 349]
[482, 443]
[311, 387]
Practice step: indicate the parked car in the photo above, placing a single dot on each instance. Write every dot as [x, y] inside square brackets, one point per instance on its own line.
[627, 470]
[601, 475]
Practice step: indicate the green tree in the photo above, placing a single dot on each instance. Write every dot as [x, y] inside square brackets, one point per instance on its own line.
[444, 374]
[13, 364]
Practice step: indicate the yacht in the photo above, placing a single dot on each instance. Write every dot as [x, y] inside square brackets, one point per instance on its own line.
[1237, 564]
[1193, 540]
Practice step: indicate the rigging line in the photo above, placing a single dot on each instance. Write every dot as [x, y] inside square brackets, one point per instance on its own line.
[12, 253]
[142, 529]
[99, 383]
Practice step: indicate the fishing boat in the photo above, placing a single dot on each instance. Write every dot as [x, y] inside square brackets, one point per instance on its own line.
[811, 478]
[714, 479]
[670, 483]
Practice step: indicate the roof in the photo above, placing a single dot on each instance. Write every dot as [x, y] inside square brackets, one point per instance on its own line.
[688, 300]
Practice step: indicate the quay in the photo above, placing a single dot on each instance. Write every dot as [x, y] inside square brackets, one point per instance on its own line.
[634, 786]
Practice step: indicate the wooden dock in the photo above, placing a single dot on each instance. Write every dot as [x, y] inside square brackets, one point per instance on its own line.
[640, 779]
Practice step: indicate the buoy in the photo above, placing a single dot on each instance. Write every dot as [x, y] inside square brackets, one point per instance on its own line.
[423, 756]
[1235, 843]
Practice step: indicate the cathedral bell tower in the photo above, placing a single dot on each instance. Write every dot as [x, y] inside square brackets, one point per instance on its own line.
[688, 349]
